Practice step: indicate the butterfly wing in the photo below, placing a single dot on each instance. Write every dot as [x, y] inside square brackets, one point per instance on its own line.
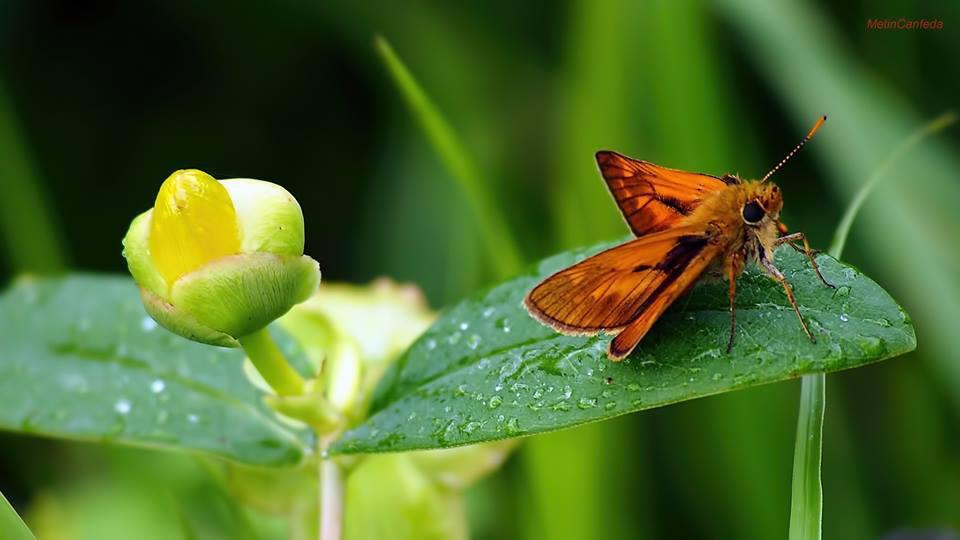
[654, 198]
[624, 288]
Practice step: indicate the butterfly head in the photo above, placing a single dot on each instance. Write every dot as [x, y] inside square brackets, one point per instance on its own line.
[762, 205]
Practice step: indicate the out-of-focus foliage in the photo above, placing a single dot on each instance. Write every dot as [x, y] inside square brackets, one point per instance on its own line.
[104, 99]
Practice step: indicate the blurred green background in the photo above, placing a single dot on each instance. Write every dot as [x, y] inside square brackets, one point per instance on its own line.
[100, 101]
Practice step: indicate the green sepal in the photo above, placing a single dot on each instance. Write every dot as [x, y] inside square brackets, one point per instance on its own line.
[182, 323]
[241, 294]
[137, 252]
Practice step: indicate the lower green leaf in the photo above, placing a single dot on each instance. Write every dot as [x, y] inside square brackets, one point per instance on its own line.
[80, 359]
[486, 370]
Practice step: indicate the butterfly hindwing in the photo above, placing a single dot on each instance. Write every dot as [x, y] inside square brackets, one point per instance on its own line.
[614, 289]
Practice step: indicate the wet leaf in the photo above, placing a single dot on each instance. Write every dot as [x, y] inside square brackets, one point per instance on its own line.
[486, 370]
[80, 359]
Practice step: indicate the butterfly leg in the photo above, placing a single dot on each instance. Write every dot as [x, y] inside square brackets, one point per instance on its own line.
[732, 276]
[799, 236]
[778, 277]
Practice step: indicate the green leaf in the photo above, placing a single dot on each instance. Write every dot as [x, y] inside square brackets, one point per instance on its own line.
[486, 370]
[80, 359]
[11, 526]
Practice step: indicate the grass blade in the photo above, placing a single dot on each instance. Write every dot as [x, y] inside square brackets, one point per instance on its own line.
[499, 243]
[11, 526]
[806, 507]
[27, 225]
[846, 222]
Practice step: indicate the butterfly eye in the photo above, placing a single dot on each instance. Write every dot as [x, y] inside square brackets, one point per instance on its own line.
[752, 212]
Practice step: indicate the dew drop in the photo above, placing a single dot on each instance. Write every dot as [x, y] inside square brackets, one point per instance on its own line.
[633, 387]
[148, 324]
[586, 403]
[192, 418]
[464, 325]
[513, 426]
[873, 346]
[454, 338]
[122, 406]
[431, 344]
[844, 317]
[473, 341]
[488, 312]
[842, 292]
[495, 402]
[610, 406]
[157, 386]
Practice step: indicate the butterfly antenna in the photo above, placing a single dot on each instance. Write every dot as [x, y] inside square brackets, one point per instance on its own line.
[796, 148]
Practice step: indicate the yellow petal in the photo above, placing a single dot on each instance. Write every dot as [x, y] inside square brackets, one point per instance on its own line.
[193, 223]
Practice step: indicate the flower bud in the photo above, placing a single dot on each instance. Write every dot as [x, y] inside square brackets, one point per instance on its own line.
[218, 260]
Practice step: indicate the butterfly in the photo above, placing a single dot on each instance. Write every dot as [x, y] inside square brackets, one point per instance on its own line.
[686, 224]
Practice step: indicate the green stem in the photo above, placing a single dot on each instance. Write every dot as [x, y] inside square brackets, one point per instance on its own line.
[271, 363]
[806, 509]
[331, 495]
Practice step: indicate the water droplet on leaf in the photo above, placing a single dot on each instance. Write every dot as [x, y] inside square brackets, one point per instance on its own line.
[122, 406]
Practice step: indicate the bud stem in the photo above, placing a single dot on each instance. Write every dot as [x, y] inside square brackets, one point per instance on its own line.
[331, 495]
[271, 363]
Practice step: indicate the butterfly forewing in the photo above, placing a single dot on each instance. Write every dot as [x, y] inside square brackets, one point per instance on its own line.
[654, 198]
[626, 287]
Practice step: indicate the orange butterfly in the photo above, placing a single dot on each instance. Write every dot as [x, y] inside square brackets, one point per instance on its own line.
[686, 224]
